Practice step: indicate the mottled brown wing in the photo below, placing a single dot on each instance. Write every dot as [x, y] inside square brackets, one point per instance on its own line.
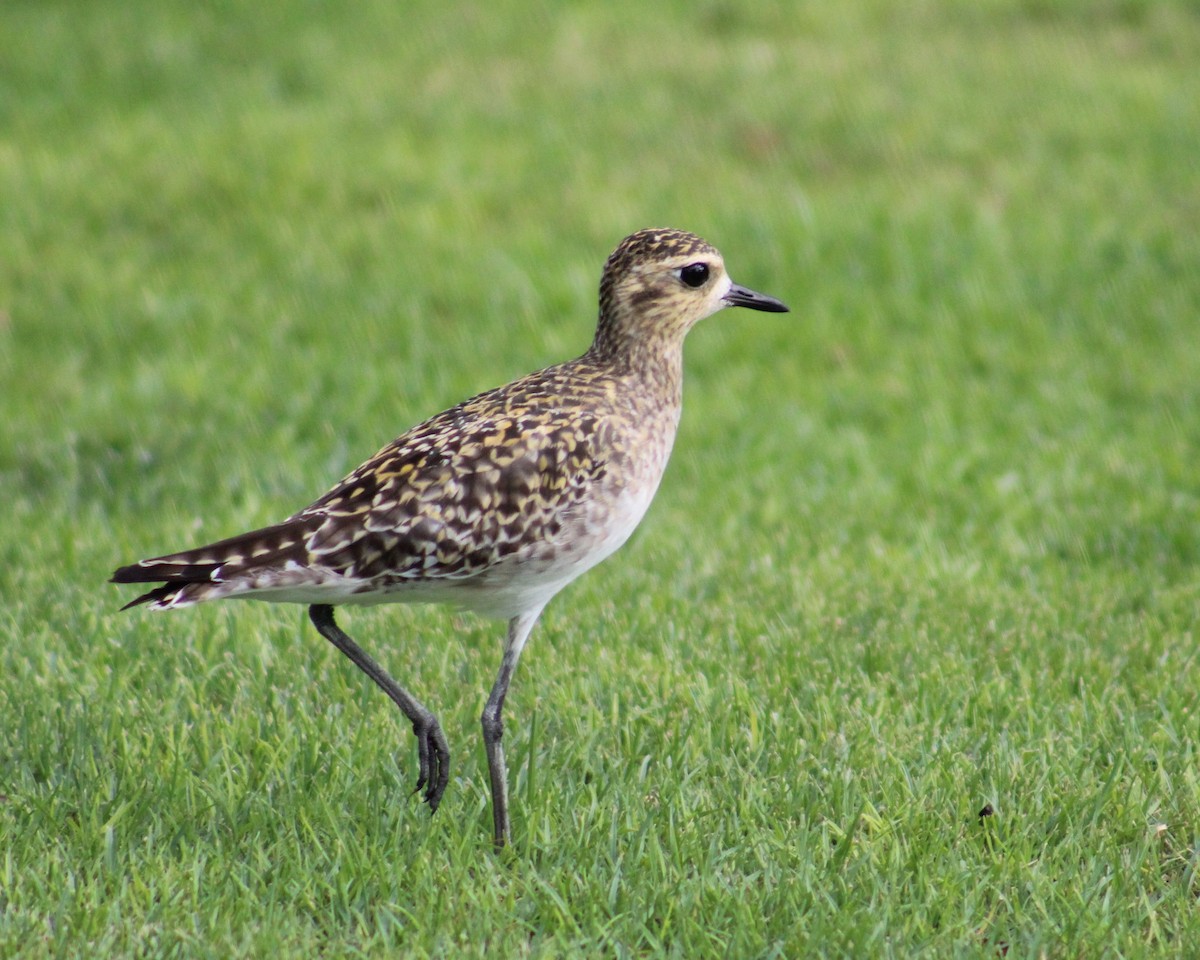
[456, 495]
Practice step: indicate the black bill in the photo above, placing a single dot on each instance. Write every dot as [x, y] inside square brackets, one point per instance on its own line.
[741, 297]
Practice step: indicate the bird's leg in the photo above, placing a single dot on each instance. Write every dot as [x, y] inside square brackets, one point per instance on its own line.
[493, 727]
[432, 750]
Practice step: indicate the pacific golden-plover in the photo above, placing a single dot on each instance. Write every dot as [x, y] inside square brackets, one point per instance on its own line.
[496, 504]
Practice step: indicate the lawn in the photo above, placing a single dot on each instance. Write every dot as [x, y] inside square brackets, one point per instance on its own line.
[903, 660]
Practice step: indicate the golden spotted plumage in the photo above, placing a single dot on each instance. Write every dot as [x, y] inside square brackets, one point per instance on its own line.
[494, 504]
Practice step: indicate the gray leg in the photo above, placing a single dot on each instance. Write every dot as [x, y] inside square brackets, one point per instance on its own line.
[493, 727]
[433, 752]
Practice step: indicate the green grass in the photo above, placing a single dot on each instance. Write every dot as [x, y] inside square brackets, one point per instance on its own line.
[928, 544]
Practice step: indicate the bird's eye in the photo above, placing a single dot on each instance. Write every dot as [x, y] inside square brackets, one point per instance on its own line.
[694, 274]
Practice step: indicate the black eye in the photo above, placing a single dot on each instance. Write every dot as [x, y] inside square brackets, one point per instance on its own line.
[694, 274]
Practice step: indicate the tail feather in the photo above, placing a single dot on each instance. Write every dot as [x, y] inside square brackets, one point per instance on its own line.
[158, 594]
[216, 569]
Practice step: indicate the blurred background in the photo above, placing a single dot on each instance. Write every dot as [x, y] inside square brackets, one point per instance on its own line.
[304, 228]
[242, 246]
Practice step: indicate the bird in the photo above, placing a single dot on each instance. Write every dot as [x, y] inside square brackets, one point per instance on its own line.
[494, 505]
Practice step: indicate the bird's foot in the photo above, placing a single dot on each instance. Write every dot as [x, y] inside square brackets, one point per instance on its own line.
[433, 755]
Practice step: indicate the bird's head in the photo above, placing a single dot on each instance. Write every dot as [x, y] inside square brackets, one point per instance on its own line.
[659, 283]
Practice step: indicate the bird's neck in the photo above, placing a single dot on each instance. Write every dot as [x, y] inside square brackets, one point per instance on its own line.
[655, 364]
